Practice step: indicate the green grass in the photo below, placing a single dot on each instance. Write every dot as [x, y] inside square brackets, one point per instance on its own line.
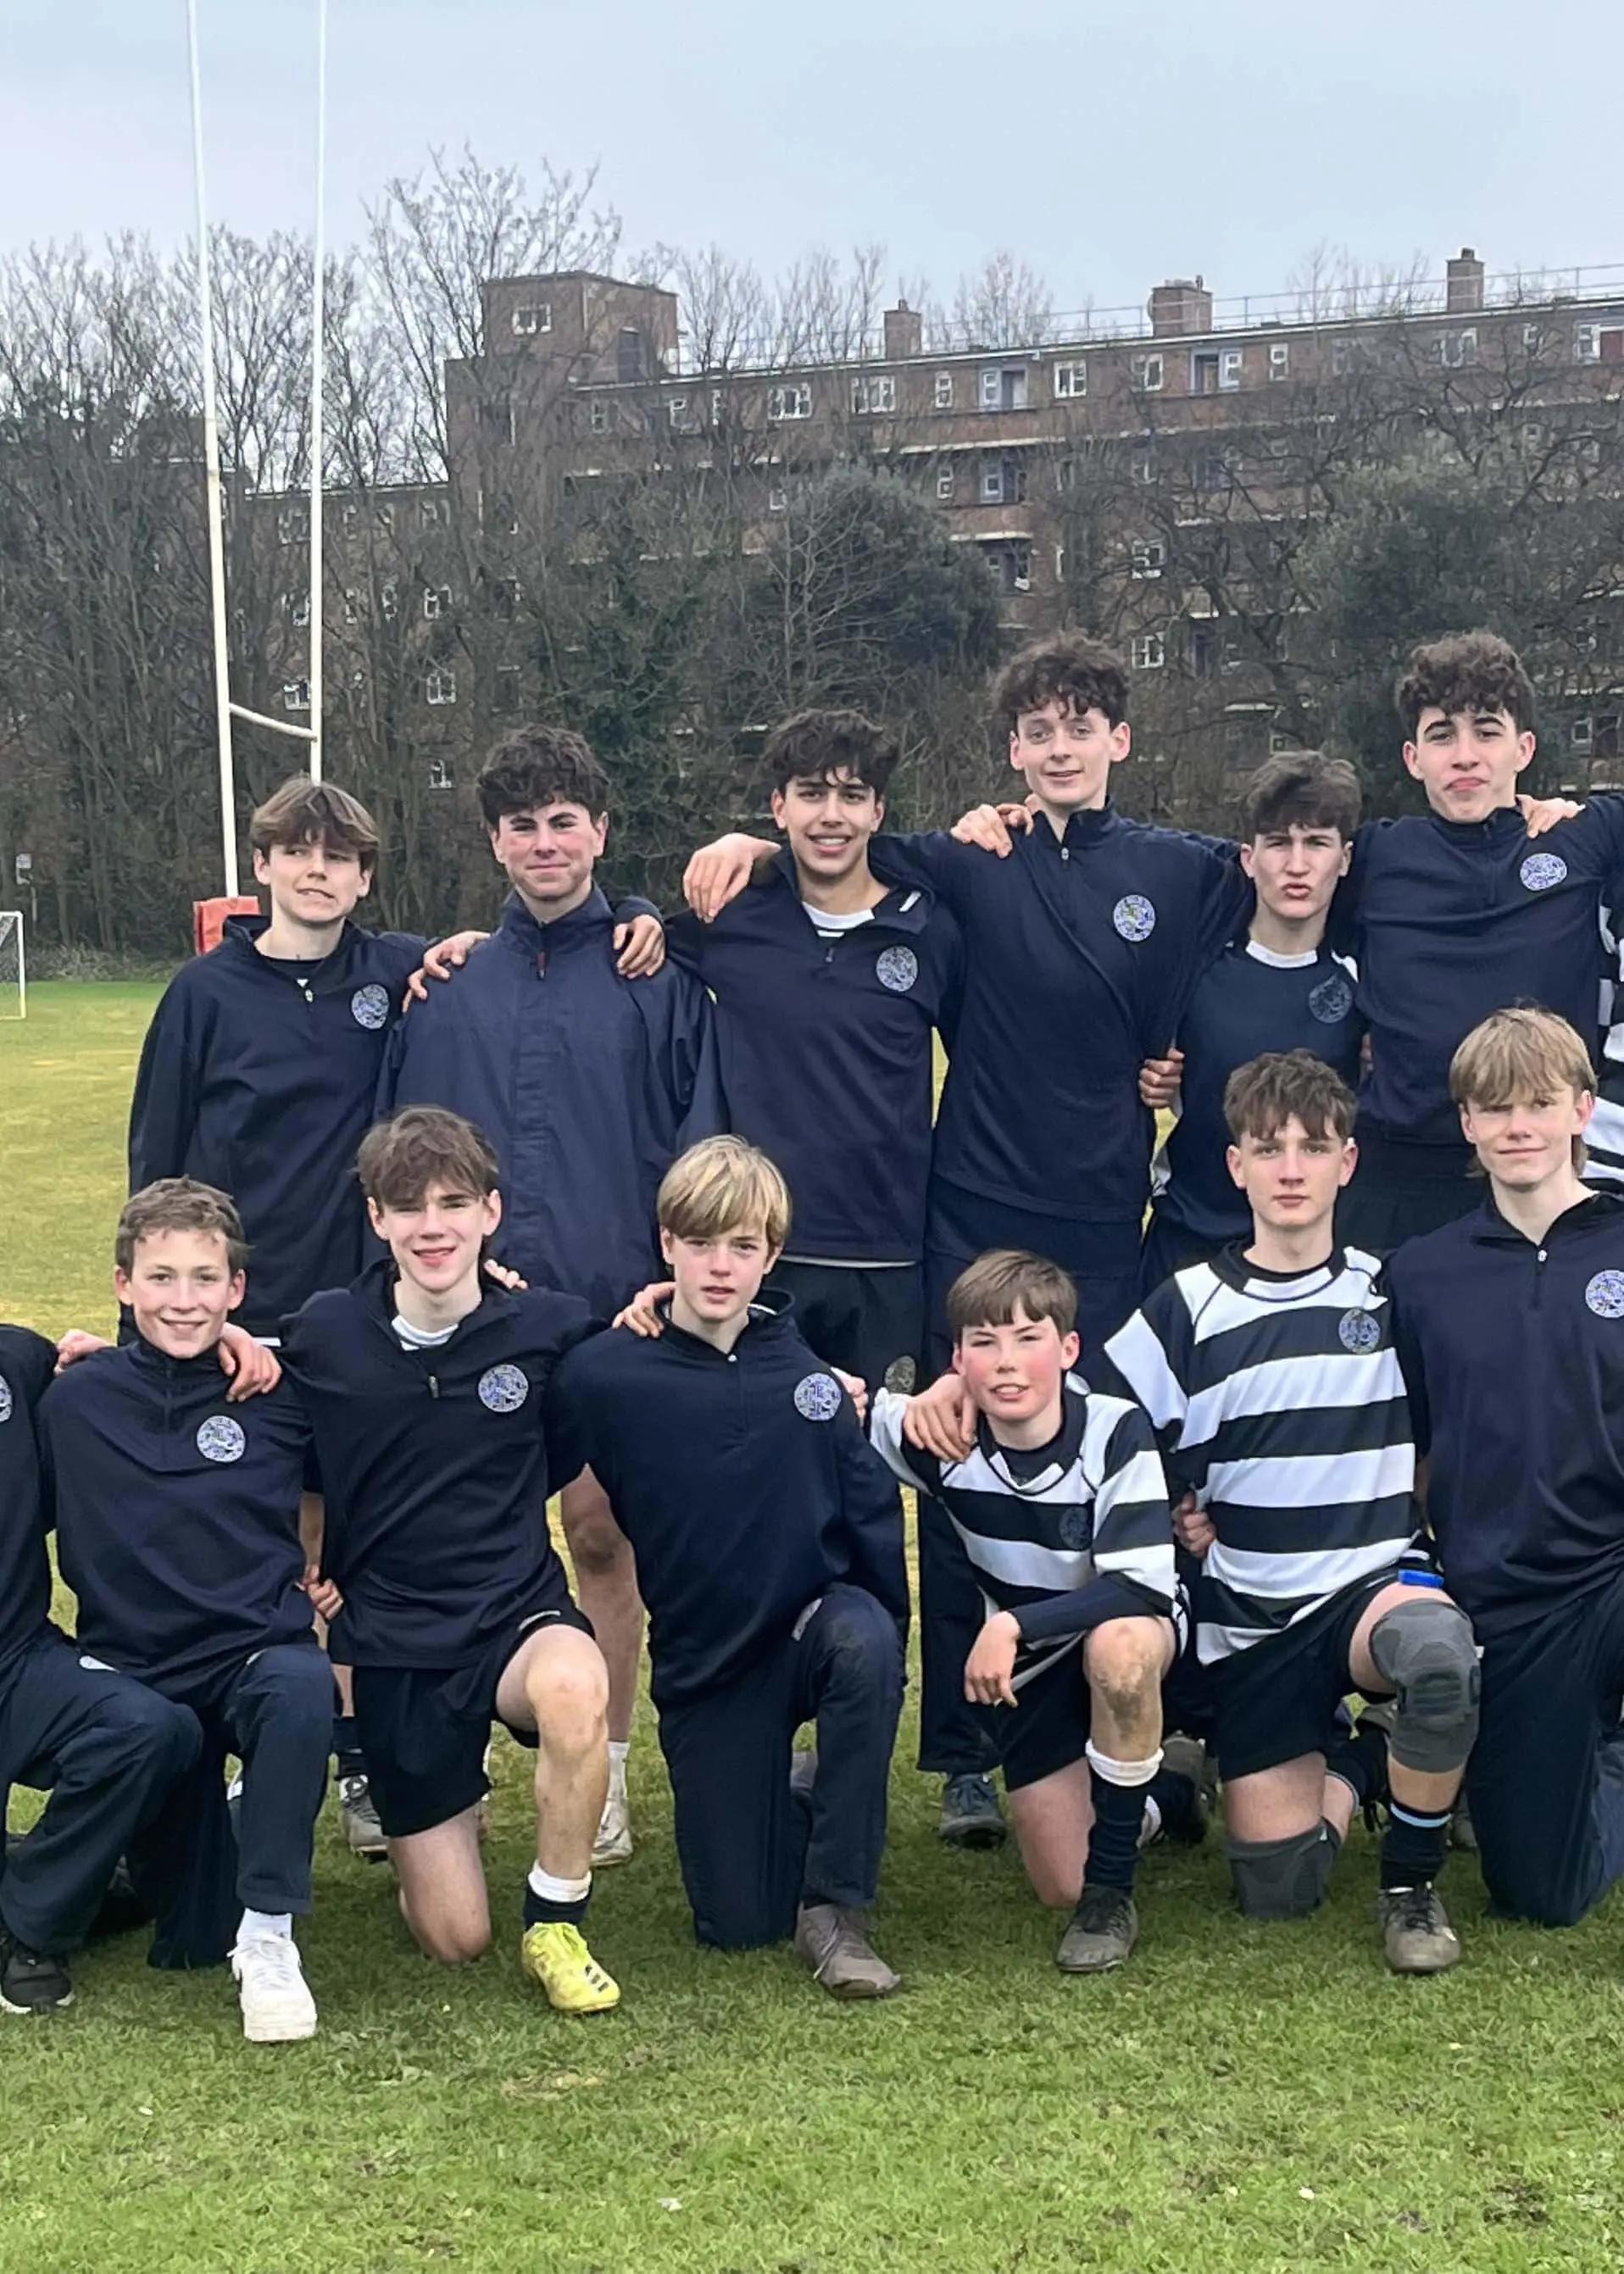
[1240, 2098]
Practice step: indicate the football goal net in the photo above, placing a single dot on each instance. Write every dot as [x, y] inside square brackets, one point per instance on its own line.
[13, 977]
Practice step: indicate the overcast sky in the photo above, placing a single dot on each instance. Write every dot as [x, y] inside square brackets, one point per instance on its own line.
[1109, 146]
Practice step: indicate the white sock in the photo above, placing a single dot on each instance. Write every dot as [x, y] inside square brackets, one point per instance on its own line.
[1127, 1774]
[255, 1923]
[558, 1891]
[618, 1748]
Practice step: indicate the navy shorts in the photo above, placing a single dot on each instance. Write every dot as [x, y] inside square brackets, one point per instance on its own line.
[867, 1322]
[424, 1730]
[1048, 1729]
[1277, 1700]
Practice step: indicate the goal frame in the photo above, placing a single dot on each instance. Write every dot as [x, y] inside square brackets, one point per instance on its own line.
[16, 917]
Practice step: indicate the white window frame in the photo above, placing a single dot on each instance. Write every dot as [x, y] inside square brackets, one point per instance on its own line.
[874, 393]
[1148, 651]
[440, 686]
[597, 415]
[530, 317]
[944, 390]
[295, 695]
[434, 513]
[676, 413]
[791, 400]
[1457, 351]
[353, 606]
[990, 386]
[383, 515]
[441, 775]
[718, 405]
[388, 599]
[778, 497]
[292, 524]
[1533, 338]
[296, 607]
[1147, 373]
[1142, 469]
[1071, 381]
[1582, 735]
[1280, 359]
[1147, 558]
[1231, 369]
[436, 602]
[1587, 343]
[990, 483]
[947, 483]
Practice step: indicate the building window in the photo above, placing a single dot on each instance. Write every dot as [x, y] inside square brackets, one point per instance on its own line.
[1204, 653]
[1582, 735]
[778, 498]
[388, 598]
[792, 401]
[1003, 387]
[1148, 651]
[436, 601]
[352, 607]
[1280, 359]
[1231, 366]
[505, 594]
[944, 390]
[719, 406]
[676, 412]
[1212, 472]
[1145, 374]
[1587, 343]
[1148, 556]
[434, 513]
[535, 316]
[348, 516]
[1141, 467]
[295, 695]
[597, 415]
[383, 518]
[296, 607]
[507, 689]
[1071, 381]
[440, 685]
[440, 772]
[630, 355]
[992, 483]
[1456, 350]
[876, 394]
[292, 524]
[945, 485]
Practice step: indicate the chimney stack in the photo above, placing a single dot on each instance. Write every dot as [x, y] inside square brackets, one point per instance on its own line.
[1181, 308]
[905, 333]
[1463, 295]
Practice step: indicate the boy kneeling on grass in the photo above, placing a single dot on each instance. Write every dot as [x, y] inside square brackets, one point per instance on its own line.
[768, 1547]
[427, 1389]
[1060, 1509]
[177, 1523]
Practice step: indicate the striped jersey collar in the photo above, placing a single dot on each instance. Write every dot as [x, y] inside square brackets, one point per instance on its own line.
[1062, 1447]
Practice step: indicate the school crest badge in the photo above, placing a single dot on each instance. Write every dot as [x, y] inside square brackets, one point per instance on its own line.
[503, 1389]
[1359, 1330]
[896, 969]
[1541, 870]
[369, 1007]
[900, 1375]
[1134, 916]
[1331, 1000]
[818, 1397]
[1076, 1528]
[219, 1438]
[5, 1399]
[1605, 1295]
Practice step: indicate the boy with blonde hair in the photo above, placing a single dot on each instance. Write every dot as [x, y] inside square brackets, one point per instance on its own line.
[768, 1547]
[1510, 1325]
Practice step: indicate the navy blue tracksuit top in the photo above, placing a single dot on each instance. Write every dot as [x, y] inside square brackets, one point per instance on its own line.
[177, 1516]
[1081, 952]
[1512, 1354]
[588, 1085]
[258, 1076]
[435, 1465]
[1452, 919]
[26, 1363]
[827, 1054]
[1250, 1001]
[743, 1481]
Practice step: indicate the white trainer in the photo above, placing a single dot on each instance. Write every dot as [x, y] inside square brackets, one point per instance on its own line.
[277, 2006]
[614, 1843]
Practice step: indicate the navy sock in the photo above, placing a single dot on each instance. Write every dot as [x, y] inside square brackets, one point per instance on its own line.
[351, 1762]
[1175, 1795]
[539, 1908]
[1413, 1847]
[1360, 1758]
[1114, 1842]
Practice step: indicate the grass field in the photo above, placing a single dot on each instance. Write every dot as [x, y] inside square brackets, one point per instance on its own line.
[1241, 2098]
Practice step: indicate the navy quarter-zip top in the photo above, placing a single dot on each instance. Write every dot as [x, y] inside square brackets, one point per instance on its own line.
[177, 1516]
[1454, 920]
[436, 1466]
[588, 1085]
[1512, 1354]
[26, 1364]
[827, 1053]
[1081, 952]
[743, 1481]
[258, 1076]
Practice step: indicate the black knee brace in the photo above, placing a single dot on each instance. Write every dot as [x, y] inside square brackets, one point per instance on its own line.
[1284, 1878]
[1426, 1650]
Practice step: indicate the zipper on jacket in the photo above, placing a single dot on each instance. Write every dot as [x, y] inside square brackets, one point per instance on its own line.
[432, 1380]
[541, 963]
[1541, 1255]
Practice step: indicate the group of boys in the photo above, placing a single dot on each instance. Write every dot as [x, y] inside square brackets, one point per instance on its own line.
[1286, 1474]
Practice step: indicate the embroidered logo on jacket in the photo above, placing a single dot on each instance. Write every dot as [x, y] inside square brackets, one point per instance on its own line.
[1541, 870]
[220, 1439]
[897, 968]
[503, 1389]
[5, 1399]
[369, 1007]
[901, 1375]
[1606, 1294]
[1134, 916]
[818, 1397]
[1331, 1000]
[1359, 1330]
[1075, 1527]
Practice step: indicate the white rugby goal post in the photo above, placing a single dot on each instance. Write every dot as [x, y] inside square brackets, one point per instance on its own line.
[13, 974]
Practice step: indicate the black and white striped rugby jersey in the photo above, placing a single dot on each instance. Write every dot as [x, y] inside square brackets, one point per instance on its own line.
[1278, 1400]
[1604, 1139]
[1100, 1504]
